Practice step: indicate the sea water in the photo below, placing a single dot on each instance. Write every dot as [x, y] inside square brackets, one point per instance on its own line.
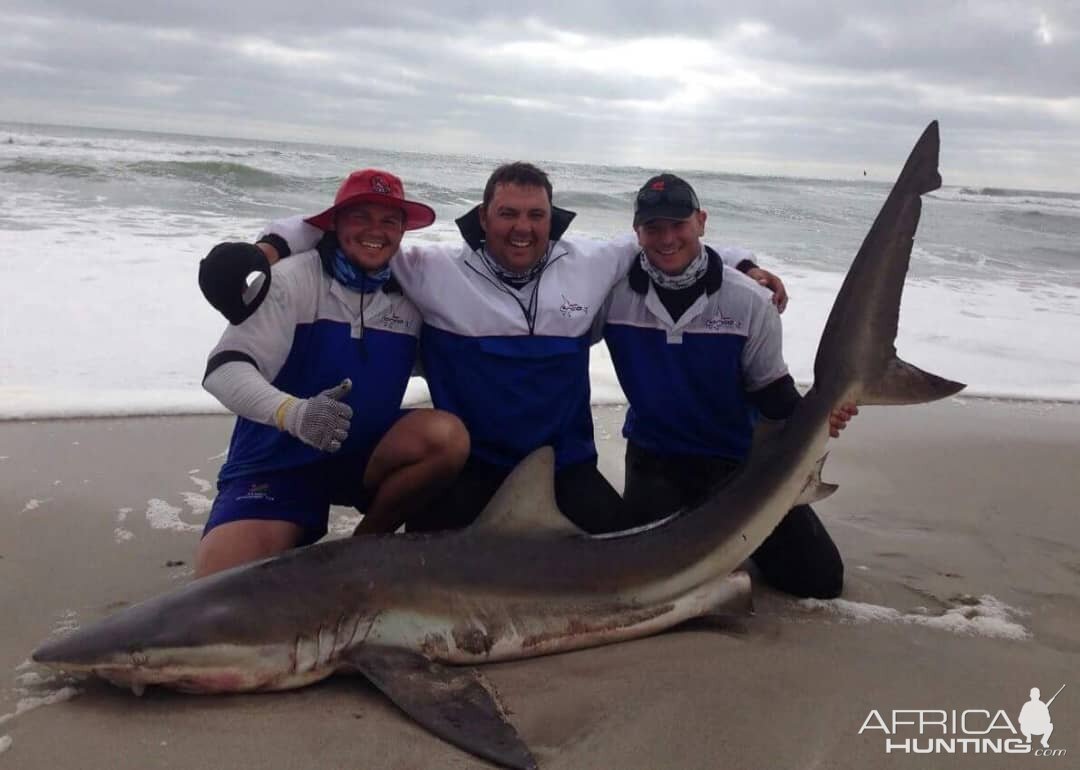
[100, 311]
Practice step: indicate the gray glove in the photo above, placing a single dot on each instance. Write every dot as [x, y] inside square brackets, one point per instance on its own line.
[321, 421]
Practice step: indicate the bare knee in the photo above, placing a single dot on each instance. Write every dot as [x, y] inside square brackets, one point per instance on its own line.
[431, 439]
[447, 438]
[239, 542]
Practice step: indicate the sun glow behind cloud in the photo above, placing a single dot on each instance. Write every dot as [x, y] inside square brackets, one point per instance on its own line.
[1044, 33]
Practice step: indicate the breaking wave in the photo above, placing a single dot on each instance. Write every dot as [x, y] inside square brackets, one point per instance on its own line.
[233, 174]
[1039, 199]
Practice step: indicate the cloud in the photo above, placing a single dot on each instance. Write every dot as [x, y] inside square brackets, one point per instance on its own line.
[773, 87]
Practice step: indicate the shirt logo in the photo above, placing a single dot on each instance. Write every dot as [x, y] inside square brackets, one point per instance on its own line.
[570, 309]
[257, 492]
[720, 322]
[392, 321]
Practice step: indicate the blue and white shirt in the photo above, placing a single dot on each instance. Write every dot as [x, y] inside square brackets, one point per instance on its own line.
[518, 378]
[308, 335]
[687, 380]
[513, 364]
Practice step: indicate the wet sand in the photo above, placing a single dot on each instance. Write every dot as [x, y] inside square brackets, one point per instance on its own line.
[958, 523]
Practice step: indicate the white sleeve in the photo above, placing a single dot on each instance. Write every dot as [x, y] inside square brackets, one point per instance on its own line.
[294, 231]
[763, 355]
[410, 267]
[265, 338]
[243, 391]
[616, 254]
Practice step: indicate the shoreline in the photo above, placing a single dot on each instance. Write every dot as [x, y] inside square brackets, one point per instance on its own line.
[1003, 397]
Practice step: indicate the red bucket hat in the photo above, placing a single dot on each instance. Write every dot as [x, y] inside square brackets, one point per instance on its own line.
[371, 185]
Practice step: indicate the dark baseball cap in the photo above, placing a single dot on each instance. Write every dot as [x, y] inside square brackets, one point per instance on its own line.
[665, 197]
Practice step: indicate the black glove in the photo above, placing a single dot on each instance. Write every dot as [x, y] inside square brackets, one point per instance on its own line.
[223, 279]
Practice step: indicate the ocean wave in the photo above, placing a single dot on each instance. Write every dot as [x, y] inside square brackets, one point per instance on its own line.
[210, 171]
[52, 168]
[217, 173]
[1001, 192]
[1059, 201]
[435, 195]
[579, 199]
[1041, 221]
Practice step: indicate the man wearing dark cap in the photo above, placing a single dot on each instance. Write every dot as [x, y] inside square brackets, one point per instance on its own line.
[305, 438]
[697, 349]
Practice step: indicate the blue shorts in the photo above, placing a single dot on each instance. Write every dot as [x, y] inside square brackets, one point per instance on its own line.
[301, 495]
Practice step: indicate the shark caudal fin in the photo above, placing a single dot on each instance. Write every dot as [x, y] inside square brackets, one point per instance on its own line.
[857, 356]
[902, 383]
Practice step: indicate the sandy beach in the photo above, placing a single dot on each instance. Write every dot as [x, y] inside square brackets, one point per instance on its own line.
[957, 521]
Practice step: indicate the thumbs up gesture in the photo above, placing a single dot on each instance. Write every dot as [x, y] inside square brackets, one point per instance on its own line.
[321, 421]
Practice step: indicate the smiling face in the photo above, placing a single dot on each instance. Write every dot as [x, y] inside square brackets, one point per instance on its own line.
[369, 234]
[672, 244]
[517, 225]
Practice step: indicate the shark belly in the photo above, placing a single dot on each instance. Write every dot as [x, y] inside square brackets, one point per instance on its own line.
[501, 630]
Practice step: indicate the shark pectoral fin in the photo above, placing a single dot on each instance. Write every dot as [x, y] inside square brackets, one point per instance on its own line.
[453, 703]
[815, 488]
[525, 503]
[902, 383]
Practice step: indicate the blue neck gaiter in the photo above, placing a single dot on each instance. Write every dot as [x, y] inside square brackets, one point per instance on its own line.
[352, 277]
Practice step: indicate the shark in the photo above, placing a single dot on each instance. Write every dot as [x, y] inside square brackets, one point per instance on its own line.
[415, 613]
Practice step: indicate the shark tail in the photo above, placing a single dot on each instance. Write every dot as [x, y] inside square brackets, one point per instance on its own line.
[902, 383]
[858, 344]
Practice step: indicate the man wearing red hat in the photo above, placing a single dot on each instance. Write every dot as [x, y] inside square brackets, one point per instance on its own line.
[505, 343]
[327, 319]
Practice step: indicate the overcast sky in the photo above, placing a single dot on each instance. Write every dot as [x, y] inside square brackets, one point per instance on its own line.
[823, 88]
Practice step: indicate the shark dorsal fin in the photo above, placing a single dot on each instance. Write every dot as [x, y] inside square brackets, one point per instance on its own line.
[525, 503]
